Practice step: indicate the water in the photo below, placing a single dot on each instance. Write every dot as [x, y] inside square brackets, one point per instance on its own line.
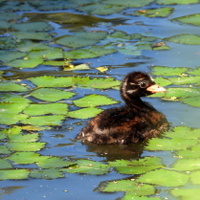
[60, 142]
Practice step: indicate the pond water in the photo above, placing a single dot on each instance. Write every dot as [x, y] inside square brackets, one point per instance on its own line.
[72, 17]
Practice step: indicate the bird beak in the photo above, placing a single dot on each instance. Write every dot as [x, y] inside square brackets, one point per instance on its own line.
[156, 88]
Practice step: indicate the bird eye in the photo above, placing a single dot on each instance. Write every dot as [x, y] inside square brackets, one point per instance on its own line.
[143, 84]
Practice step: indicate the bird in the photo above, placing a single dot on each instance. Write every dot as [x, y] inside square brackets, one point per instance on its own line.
[135, 122]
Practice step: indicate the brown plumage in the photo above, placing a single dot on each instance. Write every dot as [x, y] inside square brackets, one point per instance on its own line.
[136, 121]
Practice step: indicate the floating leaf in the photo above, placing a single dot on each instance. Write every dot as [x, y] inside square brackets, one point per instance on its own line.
[193, 19]
[7, 55]
[186, 193]
[192, 101]
[25, 146]
[89, 167]
[55, 120]
[184, 80]
[93, 100]
[129, 186]
[157, 144]
[4, 164]
[8, 118]
[25, 157]
[195, 177]
[136, 166]
[166, 2]
[51, 81]
[162, 81]
[11, 86]
[81, 39]
[187, 164]
[166, 178]
[185, 39]
[84, 113]
[24, 138]
[31, 35]
[43, 109]
[102, 69]
[46, 174]
[14, 174]
[129, 3]
[131, 195]
[51, 94]
[53, 162]
[195, 71]
[194, 152]
[4, 150]
[168, 71]
[157, 12]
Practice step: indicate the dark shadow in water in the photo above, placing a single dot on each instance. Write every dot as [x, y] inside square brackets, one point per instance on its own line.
[114, 152]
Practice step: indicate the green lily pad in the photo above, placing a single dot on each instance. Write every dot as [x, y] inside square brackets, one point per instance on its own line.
[81, 39]
[9, 118]
[11, 86]
[129, 196]
[43, 109]
[194, 152]
[193, 19]
[25, 62]
[53, 162]
[166, 178]
[11, 132]
[195, 177]
[32, 27]
[195, 71]
[129, 186]
[25, 146]
[184, 80]
[31, 35]
[92, 52]
[14, 174]
[136, 166]
[168, 71]
[187, 164]
[93, 100]
[54, 120]
[192, 101]
[157, 144]
[89, 167]
[167, 2]
[6, 56]
[129, 3]
[25, 157]
[4, 164]
[185, 39]
[46, 174]
[24, 138]
[51, 81]
[162, 81]
[157, 12]
[51, 94]
[84, 113]
[186, 193]
[4, 150]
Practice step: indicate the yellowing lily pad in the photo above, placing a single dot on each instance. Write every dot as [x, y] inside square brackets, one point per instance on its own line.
[93, 100]
[163, 177]
[51, 94]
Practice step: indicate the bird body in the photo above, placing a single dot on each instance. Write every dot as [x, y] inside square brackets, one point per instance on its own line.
[136, 121]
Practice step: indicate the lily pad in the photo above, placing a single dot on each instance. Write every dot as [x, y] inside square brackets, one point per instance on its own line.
[166, 178]
[192, 101]
[186, 193]
[185, 39]
[129, 3]
[167, 2]
[4, 150]
[157, 12]
[81, 39]
[25, 146]
[136, 166]
[194, 152]
[89, 167]
[93, 100]
[193, 19]
[24, 138]
[187, 164]
[11, 86]
[195, 71]
[51, 94]
[43, 109]
[195, 177]
[84, 113]
[7, 55]
[46, 174]
[4, 164]
[184, 80]
[14, 174]
[129, 186]
[54, 120]
[157, 144]
[168, 71]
